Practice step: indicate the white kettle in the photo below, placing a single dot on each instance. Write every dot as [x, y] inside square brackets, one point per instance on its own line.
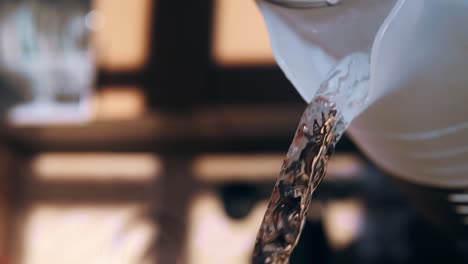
[414, 122]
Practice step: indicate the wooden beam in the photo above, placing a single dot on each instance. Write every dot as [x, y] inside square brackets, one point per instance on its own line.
[250, 85]
[5, 202]
[199, 127]
[180, 54]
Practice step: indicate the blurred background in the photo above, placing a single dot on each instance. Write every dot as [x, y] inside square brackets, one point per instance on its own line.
[153, 131]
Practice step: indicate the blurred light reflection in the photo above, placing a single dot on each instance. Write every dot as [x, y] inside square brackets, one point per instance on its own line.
[343, 221]
[119, 103]
[215, 167]
[122, 33]
[216, 238]
[86, 234]
[109, 167]
[255, 167]
[240, 36]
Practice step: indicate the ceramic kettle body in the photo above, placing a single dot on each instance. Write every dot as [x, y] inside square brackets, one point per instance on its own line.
[414, 123]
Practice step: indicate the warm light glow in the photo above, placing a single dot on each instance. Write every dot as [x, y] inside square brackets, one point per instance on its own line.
[96, 166]
[219, 168]
[345, 167]
[240, 35]
[86, 234]
[215, 238]
[122, 31]
[238, 167]
[343, 221]
[119, 103]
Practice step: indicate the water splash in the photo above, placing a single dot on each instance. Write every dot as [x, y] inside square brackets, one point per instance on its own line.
[341, 97]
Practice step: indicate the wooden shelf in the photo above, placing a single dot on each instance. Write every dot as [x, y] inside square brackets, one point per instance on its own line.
[210, 127]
